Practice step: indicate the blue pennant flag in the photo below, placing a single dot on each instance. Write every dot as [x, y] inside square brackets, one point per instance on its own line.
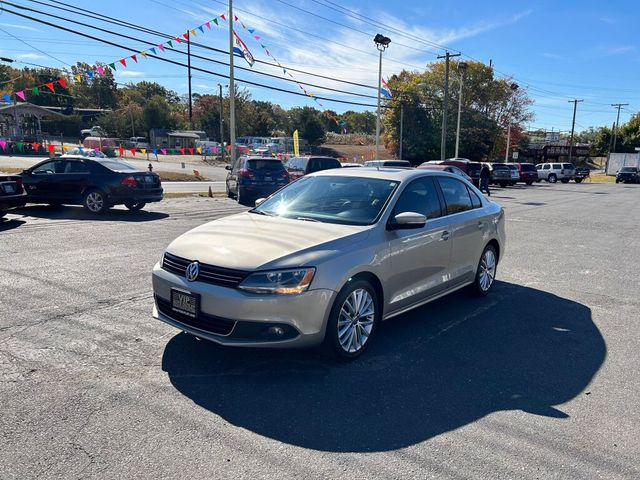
[252, 30]
[201, 28]
[155, 152]
[7, 98]
[90, 74]
[153, 49]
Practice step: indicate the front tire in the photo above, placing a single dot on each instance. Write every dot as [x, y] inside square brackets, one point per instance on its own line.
[486, 272]
[552, 179]
[529, 183]
[578, 180]
[95, 202]
[241, 197]
[353, 321]
[565, 180]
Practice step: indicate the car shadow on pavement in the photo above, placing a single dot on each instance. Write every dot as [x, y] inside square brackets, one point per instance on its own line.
[65, 212]
[10, 223]
[430, 371]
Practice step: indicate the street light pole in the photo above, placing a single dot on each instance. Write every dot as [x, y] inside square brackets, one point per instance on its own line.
[232, 89]
[461, 67]
[513, 87]
[382, 43]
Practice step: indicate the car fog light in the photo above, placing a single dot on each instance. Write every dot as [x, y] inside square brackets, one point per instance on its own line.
[276, 331]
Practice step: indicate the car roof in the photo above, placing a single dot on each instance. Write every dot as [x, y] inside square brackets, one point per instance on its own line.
[383, 173]
[435, 167]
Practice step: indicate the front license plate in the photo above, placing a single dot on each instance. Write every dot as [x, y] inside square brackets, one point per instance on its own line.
[9, 189]
[185, 302]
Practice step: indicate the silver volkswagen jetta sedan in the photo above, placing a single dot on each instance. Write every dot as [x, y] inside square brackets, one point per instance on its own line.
[328, 257]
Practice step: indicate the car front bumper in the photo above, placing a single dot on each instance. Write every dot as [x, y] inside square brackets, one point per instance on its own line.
[303, 317]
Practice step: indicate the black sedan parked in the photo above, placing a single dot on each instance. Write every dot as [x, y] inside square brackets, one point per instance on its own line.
[11, 193]
[628, 175]
[252, 178]
[96, 183]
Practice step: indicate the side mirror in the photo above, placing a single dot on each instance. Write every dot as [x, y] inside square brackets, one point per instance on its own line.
[407, 220]
[259, 201]
[227, 167]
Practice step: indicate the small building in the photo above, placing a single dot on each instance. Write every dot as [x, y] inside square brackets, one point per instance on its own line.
[163, 138]
[24, 120]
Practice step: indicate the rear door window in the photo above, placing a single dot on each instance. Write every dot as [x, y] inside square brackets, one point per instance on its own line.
[420, 196]
[475, 200]
[546, 167]
[49, 168]
[568, 166]
[456, 195]
[527, 167]
[557, 166]
[317, 164]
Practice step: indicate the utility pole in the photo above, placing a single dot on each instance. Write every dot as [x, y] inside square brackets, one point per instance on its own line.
[575, 102]
[189, 77]
[221, 123]
[443, 145]
[615, 132]
[232, 90]
[461, 68]
[401, 126]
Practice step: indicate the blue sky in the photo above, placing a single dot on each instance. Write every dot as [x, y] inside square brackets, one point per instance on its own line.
[558, 50]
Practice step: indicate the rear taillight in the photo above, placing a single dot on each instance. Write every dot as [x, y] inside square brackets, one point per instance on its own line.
[245, 172]
[19, 183]
[130, 182]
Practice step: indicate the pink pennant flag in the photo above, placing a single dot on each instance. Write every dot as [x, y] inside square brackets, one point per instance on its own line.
[3, 144]
[181, 150]
[208, 25]
[123, 61]
[190, 151]
[164, 151]
[97, 149]
[100, 69]
[257, 37]
[267, 52]
[161, 47]
[21, 95]
[235, 17]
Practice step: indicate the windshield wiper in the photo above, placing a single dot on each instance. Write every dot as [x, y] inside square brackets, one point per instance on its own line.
[307, 219]
[261, 212]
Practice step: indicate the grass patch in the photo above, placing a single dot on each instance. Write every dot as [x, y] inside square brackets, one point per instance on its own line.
[180, 177]
[11, 170]
[601, 178]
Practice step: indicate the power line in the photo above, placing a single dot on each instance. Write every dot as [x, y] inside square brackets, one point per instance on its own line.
[193, 55]
[35, 48]
[247, 82]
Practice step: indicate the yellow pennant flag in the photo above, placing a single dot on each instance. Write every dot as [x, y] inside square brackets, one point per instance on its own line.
[143, 151]
[193, 33]
[144, 54]
[296, 144]
[199, 150]
[78, 78]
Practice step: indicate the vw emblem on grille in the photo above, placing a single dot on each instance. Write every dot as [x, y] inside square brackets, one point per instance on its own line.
[193, 270]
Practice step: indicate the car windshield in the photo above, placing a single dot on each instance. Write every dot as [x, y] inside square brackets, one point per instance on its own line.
[500, 166]
[527, 167]
[331, 199]
[629, 170]
[265, 165]
[118, 166]
[513, 167]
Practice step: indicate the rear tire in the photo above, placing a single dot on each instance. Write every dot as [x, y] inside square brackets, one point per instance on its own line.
[242, 198]
[552, 179]
[486, 271]
[353, 321]
[135, 206]
[229, 194]
[503, 184]
[578, 180]
[529, 183]
[95, 202]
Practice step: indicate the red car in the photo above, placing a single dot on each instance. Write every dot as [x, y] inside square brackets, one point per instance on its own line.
[528, 172]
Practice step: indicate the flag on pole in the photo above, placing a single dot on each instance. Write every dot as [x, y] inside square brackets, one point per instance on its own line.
[242, 50]
[385, 91]
[296, 144]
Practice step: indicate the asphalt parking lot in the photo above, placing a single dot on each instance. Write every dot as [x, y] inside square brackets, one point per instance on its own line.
[540, 379]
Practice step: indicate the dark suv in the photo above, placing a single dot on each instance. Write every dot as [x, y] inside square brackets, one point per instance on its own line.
[300, 166]
[528, 172]
[252, 178]
[628, 175]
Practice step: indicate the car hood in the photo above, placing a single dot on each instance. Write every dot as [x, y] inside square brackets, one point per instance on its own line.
[250, 241]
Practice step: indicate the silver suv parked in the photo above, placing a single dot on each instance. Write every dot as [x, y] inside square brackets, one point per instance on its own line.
[552, 172]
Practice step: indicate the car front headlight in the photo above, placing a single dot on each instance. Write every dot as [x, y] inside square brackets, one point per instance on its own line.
[280, 282]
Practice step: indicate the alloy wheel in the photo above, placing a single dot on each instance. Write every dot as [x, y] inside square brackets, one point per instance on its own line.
[355, 320]
[95, 202]
[487, 270]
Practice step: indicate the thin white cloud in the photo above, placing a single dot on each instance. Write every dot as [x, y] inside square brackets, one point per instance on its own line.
[130, 74]
[553, 56]
[19, 27]
[609, 51]
[30, 56]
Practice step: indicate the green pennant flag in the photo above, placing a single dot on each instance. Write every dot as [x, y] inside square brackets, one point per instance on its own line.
[112, 66]
[19, 145]
[170, 43]
[35, 91]
[215, 20]
[262, 46]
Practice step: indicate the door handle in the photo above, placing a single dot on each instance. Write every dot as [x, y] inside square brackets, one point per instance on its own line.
[445, 235]
[480, 225]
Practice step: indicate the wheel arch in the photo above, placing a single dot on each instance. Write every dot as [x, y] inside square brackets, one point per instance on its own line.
[496, 245]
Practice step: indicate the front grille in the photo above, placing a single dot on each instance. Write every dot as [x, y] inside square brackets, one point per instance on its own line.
[205, 322]
[224, 277]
